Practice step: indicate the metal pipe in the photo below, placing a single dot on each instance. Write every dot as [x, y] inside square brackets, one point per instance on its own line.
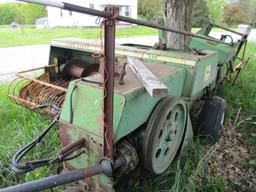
[37, 68]
[157, 26]
[46, 3]
[89, 11]
[70, 7]
[104, 167]
[109, 53]
[86, 10]
[76, 144]
[56, 180]
[227, 29]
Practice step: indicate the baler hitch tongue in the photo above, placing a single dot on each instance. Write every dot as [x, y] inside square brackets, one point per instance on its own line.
[104, 167]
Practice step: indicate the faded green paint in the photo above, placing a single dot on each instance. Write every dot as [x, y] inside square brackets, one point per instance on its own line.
[139, 104]
[87, 108]
[225, 52]
[174, 57]
[92, 155]
[187, 80]
[188, 135]
[204, 73]
[185, 74]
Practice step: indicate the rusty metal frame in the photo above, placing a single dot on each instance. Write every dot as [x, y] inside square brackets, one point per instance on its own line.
[21, 75]
[109, 55]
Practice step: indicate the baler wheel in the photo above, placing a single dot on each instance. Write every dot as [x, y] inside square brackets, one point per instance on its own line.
[211, 117]
[164, 134]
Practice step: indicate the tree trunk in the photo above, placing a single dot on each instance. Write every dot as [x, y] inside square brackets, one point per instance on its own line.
[177, 14]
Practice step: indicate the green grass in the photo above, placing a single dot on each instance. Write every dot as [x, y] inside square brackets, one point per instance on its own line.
[243, 96]
[31, 36]
[189, 173]
[18, 126]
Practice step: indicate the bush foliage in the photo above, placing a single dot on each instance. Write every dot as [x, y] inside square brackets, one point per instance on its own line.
[204, 11]
[200, 14]
[25, 13]
[153, 11]
[241, 12]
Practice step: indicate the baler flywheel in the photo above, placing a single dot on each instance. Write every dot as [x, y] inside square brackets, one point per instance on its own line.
[164, 134]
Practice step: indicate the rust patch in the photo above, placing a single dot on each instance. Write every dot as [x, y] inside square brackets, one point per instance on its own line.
[88, 181]
[81, 129]
[131, 82]
[92, 156]
[32, 93]
[64, 136]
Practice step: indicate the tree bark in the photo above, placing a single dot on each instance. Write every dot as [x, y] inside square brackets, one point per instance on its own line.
[177, 14]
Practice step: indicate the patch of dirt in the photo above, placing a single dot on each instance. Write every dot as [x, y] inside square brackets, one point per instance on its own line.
[230, 158]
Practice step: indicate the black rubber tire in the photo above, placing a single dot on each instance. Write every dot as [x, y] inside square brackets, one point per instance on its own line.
[212, 117]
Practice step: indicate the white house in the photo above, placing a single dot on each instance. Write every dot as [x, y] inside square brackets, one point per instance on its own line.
[41, 23]
[58, 17]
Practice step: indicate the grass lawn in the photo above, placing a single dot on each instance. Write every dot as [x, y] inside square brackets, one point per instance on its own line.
[30, 36]
[18, 126]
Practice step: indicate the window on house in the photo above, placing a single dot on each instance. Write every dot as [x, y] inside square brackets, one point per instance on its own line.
[91, 6]
[70, 13]
[61, 13]
[127, 11]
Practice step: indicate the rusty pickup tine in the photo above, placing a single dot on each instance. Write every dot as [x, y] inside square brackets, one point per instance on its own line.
[29, 91]
[31, 105]
[40, 82]
[21, 75]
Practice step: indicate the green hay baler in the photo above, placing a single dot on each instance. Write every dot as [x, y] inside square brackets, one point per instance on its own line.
[122, 110]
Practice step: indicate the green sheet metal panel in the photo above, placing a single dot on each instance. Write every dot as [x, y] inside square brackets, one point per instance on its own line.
[173, 57]
[202, 75]
[158, 56]
[131, 108]
[225, 52]
[201, 70]
[93, 153]
[87, 123]
[139, 104]
[87, 108]
[188, 74]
